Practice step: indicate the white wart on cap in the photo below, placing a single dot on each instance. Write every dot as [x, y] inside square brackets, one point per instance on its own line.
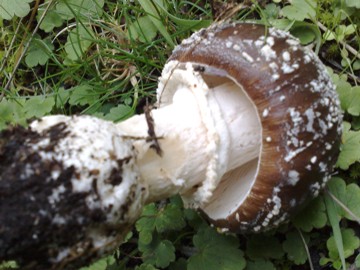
[297, 107]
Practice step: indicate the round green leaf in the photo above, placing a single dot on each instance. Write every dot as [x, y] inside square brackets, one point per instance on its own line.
[294, 247]
[11, 8]
[312, 216]
[216, 251]
[350, 243]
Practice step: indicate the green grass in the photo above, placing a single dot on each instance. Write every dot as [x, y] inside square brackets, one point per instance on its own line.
[104, 59]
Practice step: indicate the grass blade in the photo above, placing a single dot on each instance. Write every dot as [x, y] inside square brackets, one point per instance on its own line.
[150, 9]
[190, 24]
[334, 221]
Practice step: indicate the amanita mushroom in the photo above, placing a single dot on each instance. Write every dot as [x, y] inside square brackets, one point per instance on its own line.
[247, 130]
[297, 108]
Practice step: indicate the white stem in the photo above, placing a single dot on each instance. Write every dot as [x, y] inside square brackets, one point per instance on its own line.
[180, 133]
[203, 134]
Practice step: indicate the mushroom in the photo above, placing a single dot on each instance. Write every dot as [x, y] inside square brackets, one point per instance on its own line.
[246, 129]
[297, 110]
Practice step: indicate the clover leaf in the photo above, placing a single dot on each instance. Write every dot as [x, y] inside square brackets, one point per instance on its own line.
[83, 94]
[80, 8]
[348, 195]
[312, 216]
[9, 9]
[39, 52]
[351, 243]
[350, 147]
[294, 247]
[300, 10]
[260, 264]
[164, 219]
[216, 251]
[158, 252]
[78, 41]
[38, 106]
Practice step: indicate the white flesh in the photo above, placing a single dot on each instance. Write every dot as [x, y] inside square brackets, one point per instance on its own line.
[204, 133]
[245, 129]
[232, 190]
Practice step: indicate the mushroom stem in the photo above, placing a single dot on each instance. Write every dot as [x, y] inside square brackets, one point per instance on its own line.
[203, 132]
[92, 177]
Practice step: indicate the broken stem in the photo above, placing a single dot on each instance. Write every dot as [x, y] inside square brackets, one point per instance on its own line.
[203, 133]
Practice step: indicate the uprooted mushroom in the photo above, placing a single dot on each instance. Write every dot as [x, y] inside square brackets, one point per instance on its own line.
[246, 129]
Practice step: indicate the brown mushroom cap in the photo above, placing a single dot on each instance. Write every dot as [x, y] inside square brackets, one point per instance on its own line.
[298, 109]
